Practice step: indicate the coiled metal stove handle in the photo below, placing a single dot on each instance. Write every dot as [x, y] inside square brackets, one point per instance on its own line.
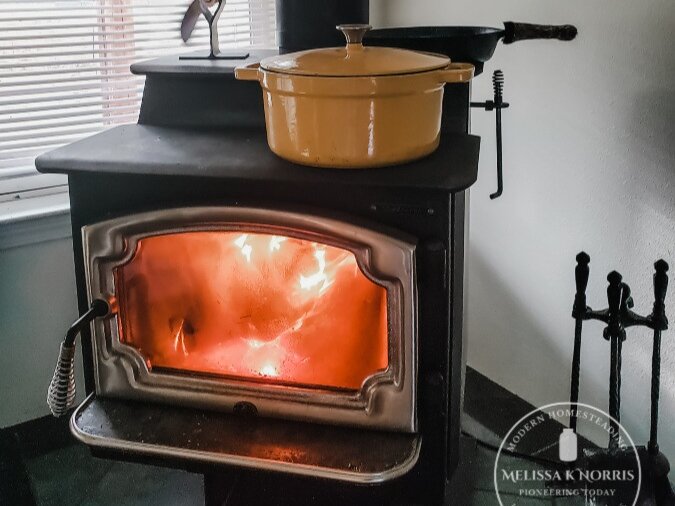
[496, 104]
[61, 392]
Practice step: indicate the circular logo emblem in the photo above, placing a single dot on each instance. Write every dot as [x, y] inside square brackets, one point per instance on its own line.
[564, 466]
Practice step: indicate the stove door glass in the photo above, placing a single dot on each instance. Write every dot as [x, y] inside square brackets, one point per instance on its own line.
[253, 306]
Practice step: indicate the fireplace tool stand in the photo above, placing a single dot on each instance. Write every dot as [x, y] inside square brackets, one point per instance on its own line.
[655, 489]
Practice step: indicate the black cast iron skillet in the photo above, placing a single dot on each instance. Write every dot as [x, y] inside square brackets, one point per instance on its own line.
[470, 44]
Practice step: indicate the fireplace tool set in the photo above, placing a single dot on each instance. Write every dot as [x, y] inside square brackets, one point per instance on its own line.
[656, 489]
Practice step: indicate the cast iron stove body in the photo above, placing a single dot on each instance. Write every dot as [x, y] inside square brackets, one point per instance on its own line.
[197, 161]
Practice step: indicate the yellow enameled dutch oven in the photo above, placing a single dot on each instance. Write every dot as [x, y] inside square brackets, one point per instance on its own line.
[354, 106]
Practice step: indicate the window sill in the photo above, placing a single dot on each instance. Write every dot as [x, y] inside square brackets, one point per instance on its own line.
[34, 220]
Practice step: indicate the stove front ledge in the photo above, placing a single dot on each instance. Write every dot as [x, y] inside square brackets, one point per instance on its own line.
[320, 451]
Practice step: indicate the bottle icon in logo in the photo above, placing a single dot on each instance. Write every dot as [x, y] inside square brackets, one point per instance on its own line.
[567, 446]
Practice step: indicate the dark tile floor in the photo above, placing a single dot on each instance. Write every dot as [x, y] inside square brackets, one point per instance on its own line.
[71, 476]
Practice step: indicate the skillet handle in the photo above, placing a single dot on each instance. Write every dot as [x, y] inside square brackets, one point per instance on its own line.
[248, 72]
[456, 73]
[513, 32]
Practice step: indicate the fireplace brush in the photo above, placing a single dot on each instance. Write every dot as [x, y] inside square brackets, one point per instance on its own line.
[61, 392]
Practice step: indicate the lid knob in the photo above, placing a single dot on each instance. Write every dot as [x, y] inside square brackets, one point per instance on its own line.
[354, 32]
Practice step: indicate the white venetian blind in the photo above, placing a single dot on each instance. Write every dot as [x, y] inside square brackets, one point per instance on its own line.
[64, 68]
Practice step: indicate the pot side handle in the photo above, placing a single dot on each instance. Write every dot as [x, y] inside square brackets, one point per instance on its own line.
[456, 73]
[248, 72]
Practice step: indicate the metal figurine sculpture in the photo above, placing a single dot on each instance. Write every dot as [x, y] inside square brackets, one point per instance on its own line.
[619, 316]
[203, 7]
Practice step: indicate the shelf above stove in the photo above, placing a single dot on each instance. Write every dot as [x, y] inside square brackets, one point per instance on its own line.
[203, 437]
[243, 154]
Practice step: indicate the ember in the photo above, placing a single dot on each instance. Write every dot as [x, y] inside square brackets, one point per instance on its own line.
[253, 305]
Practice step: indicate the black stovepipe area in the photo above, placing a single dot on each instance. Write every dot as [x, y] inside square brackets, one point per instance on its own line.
[307, 24]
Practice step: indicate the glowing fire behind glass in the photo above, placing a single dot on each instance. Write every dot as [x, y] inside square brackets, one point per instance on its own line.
[253, 305]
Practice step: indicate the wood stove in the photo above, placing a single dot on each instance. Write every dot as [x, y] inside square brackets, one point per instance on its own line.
[293, 333]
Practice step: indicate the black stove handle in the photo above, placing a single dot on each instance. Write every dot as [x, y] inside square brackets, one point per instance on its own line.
[513, 32]
[496, 104]
[61, 392]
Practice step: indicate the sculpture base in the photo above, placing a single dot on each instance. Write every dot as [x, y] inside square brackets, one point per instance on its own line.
[224, 55]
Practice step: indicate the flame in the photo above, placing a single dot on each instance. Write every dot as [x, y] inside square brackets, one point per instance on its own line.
[255, 343]
[269, 370]
[309, 282]
[275, 243]
[179, 338]
[246, 249]
[295, 311]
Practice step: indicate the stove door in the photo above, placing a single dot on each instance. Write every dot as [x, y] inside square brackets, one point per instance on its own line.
[283, 314]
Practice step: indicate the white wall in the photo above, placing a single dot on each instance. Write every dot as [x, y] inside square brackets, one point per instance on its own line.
[589, 164]
[37, 305]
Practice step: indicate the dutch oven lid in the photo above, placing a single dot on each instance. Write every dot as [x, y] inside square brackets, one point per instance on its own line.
[354, 60]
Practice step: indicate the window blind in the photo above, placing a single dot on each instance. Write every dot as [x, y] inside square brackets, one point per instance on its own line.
[64, 68]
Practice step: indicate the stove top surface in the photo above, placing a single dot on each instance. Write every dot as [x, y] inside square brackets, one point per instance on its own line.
[242, 153]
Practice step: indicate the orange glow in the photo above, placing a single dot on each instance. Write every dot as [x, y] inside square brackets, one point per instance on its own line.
[254, 306]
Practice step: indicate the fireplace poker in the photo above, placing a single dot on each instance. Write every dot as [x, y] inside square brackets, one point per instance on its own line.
[660, 323]
[578, 313]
